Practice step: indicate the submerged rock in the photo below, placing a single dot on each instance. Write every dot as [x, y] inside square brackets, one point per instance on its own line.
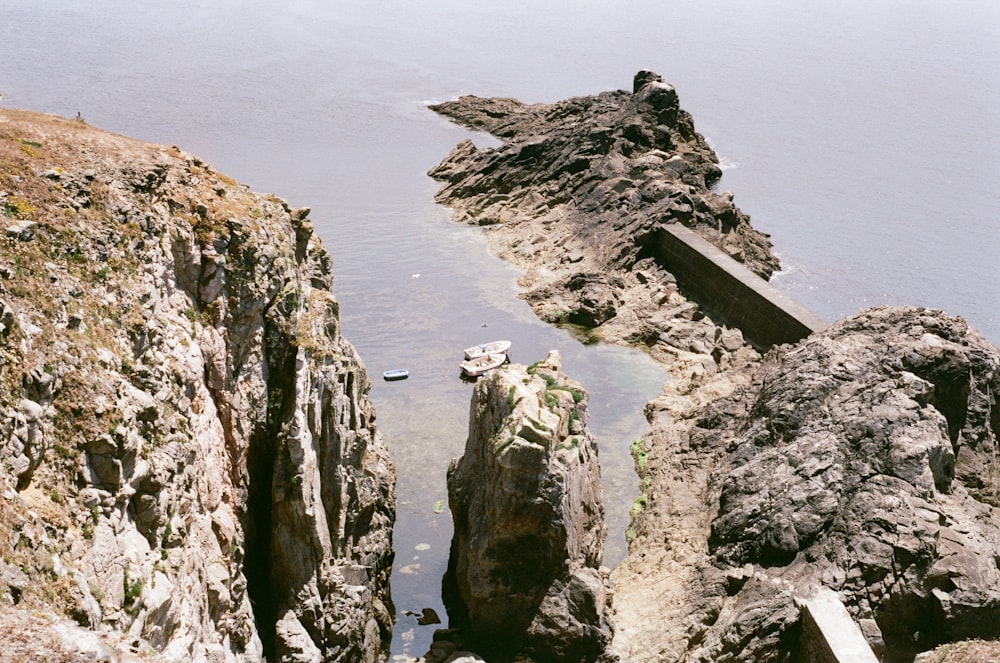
[524, 577]
[188, 453]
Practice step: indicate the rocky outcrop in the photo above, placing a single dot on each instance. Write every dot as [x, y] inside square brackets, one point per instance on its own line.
[524, 576]
[862, 459]
[188, 455]
[576, 196]
[845, 463]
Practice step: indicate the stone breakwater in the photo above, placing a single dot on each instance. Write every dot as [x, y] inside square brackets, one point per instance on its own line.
[189, 465]
[862, 459]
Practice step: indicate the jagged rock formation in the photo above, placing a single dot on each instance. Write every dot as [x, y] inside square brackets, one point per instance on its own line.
[188, 455]
[863, 459]
[524, 572]
[576, 195]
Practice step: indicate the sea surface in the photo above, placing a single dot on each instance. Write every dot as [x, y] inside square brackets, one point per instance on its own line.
[863, 137]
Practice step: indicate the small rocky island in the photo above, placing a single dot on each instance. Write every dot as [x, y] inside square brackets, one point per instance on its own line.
[524, 578]
[862, 459]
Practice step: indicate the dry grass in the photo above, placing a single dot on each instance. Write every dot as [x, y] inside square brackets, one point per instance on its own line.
[29, 636]
[969, 651]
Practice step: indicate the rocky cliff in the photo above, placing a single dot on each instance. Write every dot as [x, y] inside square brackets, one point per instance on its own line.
[188, 461]
[863, 459]
[524, 576]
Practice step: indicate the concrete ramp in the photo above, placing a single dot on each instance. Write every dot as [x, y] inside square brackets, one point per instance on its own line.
[829, 635]
[731, 293]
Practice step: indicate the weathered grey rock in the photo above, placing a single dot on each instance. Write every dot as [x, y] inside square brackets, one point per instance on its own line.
[188, 455]
[863, 459]
[524, 573]
[835, 467]
[22, 230]
[576, 196]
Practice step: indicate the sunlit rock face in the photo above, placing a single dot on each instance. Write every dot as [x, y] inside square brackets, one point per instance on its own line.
[524, 576]
[862, 459]
[189, 456]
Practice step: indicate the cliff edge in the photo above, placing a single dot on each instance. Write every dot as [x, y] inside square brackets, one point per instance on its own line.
[189, 465]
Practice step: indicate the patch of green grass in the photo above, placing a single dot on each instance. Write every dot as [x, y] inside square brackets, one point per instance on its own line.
[638, 504]
[571, 443]
[575, 393]
[133, 590]
[639, 453]
[503, 445]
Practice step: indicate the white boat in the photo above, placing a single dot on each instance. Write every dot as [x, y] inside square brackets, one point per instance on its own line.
[476, 367]
[491, 348]
[395, 374]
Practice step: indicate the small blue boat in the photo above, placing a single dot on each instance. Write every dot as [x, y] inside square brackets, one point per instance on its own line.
[396, 374]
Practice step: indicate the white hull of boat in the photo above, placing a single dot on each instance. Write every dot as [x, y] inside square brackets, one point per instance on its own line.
[476, 367]
[491, 348]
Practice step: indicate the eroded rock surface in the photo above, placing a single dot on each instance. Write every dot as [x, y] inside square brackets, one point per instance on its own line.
[863, 459]
[576, 195]
[524, 573]
[188, 454]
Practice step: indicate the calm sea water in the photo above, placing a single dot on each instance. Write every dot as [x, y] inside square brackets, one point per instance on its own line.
[864, 137]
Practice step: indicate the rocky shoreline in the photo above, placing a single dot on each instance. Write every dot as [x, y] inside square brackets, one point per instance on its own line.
[834, 462]
[190, 467]
[574, 197]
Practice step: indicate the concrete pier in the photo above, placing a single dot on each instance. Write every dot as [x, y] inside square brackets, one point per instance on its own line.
[731, 293]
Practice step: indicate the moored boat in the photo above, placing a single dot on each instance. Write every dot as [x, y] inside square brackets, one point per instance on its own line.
[483, 349]
[476, 367]
[395, 374]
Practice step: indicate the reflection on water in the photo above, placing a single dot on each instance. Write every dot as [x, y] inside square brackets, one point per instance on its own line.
[435, 290]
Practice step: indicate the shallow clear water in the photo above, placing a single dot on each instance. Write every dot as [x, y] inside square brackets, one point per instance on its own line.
[864, 137]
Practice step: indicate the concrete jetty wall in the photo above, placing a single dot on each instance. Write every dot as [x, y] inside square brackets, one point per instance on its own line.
[829, 635]
[731, 293]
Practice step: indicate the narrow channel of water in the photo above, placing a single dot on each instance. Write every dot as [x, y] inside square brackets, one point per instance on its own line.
[439, 291]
